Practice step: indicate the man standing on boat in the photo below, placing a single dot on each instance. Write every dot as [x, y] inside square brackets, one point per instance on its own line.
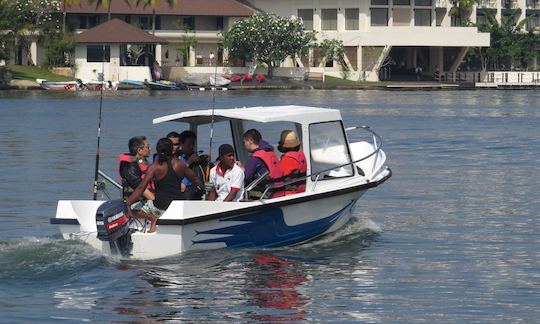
[132, 168]
[262, 159]
[227, 177]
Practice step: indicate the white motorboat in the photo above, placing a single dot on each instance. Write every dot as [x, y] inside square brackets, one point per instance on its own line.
[339, 173]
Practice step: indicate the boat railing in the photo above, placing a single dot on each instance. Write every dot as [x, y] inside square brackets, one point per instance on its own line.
[377, 144]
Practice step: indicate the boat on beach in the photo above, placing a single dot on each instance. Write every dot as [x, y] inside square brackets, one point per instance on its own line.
[339, 172]
[78, 85]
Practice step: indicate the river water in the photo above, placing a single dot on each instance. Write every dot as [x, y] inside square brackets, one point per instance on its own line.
[452, 237]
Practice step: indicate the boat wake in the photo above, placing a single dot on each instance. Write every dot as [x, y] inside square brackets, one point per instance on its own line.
[33, 260]
[357, 231]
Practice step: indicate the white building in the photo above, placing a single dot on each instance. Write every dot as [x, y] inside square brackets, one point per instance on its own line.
[396, 35]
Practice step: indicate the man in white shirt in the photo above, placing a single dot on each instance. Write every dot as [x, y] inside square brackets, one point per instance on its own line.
[227, 177]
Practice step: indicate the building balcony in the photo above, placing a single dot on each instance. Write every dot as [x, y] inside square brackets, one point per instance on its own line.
[413, 36]
[509, 4]
[533, 4]
[487, 4]
[441, 4]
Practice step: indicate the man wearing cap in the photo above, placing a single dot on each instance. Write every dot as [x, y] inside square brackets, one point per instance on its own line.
[293, 162]
[227, 177]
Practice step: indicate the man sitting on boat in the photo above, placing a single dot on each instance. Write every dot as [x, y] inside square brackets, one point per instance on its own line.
[263, 160]
[167, 174]
[293, 162]
[186, 153]
[227, 177]
[132, 168]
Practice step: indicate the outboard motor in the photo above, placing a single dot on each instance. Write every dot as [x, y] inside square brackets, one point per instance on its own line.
[112, 220]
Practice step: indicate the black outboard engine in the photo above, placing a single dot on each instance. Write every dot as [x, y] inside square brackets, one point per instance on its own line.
[112, 220]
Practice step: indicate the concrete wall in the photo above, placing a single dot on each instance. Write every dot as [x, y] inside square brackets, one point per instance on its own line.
[112, 70]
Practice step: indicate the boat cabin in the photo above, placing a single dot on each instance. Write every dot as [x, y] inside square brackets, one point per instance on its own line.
[321, 132]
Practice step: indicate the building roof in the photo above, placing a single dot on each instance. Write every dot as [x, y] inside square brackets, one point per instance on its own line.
[119, 32]
[295, 114]
[229, 8]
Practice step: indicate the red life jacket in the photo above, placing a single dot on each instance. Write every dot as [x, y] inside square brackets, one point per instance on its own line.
[124, 157]
[299, 186]
[271, 161]
[300, 158]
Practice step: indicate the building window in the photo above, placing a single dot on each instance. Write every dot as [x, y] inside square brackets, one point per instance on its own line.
[86, 22]
[379, 17]
[351, 19]
[96, 53]
[329, 149]
[379, 2]
[402, 2]
[189, 22]
[145, 22]
[219, 23]
[425, 3]
[329, 19]
[307, 17]
[422, 17]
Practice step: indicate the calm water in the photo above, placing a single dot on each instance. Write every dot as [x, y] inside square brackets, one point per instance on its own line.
[452, 237]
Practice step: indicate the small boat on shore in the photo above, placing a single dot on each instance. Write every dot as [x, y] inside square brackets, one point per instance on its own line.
[164, 85]
[339, 172]
[78, 85]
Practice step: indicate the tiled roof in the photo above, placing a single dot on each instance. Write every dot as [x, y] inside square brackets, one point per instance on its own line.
[117, 31]
[227, 8]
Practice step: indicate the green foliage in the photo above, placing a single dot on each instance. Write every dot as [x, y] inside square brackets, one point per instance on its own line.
[511, 48]
[333, 49]
[188, 41]
[59, 50]
[267, 39]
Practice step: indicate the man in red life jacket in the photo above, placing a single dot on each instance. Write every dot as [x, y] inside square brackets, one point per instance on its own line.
[293, 162]
[262, 159]
[132, 168]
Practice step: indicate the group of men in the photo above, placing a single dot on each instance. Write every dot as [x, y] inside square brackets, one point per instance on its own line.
[142, 181]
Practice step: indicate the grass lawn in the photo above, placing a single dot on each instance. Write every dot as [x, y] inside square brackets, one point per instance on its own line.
[21, 72]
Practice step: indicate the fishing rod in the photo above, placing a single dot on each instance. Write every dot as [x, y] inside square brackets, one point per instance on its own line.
[207, 176]
[96, 173]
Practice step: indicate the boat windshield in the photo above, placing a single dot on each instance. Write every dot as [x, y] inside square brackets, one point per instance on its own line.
[329, 149]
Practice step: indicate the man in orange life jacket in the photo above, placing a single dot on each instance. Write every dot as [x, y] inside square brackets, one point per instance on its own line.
[132, 168]
[262, 159]
[293, 162]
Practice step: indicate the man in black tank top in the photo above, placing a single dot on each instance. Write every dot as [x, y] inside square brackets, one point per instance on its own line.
[167, 174]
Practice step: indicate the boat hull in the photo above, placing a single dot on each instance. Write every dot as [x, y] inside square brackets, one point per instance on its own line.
[254, 227]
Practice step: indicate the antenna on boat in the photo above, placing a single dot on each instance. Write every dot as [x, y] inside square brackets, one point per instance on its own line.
[96, 173]
[207, 175]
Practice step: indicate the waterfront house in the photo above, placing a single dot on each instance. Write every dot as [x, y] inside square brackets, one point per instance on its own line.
[117, 50]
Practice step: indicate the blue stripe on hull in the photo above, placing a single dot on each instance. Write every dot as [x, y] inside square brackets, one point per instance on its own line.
[268, 229]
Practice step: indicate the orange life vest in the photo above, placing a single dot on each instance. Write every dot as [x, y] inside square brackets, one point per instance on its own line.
[271, 161]
[299, 186]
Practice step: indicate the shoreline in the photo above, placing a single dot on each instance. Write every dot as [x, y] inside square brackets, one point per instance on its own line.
[280, 84]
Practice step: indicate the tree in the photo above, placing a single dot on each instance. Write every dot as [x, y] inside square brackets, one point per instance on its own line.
[333, 49]
[510, 46]
[267, 39]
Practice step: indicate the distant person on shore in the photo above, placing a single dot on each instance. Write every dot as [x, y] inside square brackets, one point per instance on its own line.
[167, 174]
[227, 177]
[418, 72]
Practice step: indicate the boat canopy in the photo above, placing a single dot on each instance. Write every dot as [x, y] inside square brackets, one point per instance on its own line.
[295, 114]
